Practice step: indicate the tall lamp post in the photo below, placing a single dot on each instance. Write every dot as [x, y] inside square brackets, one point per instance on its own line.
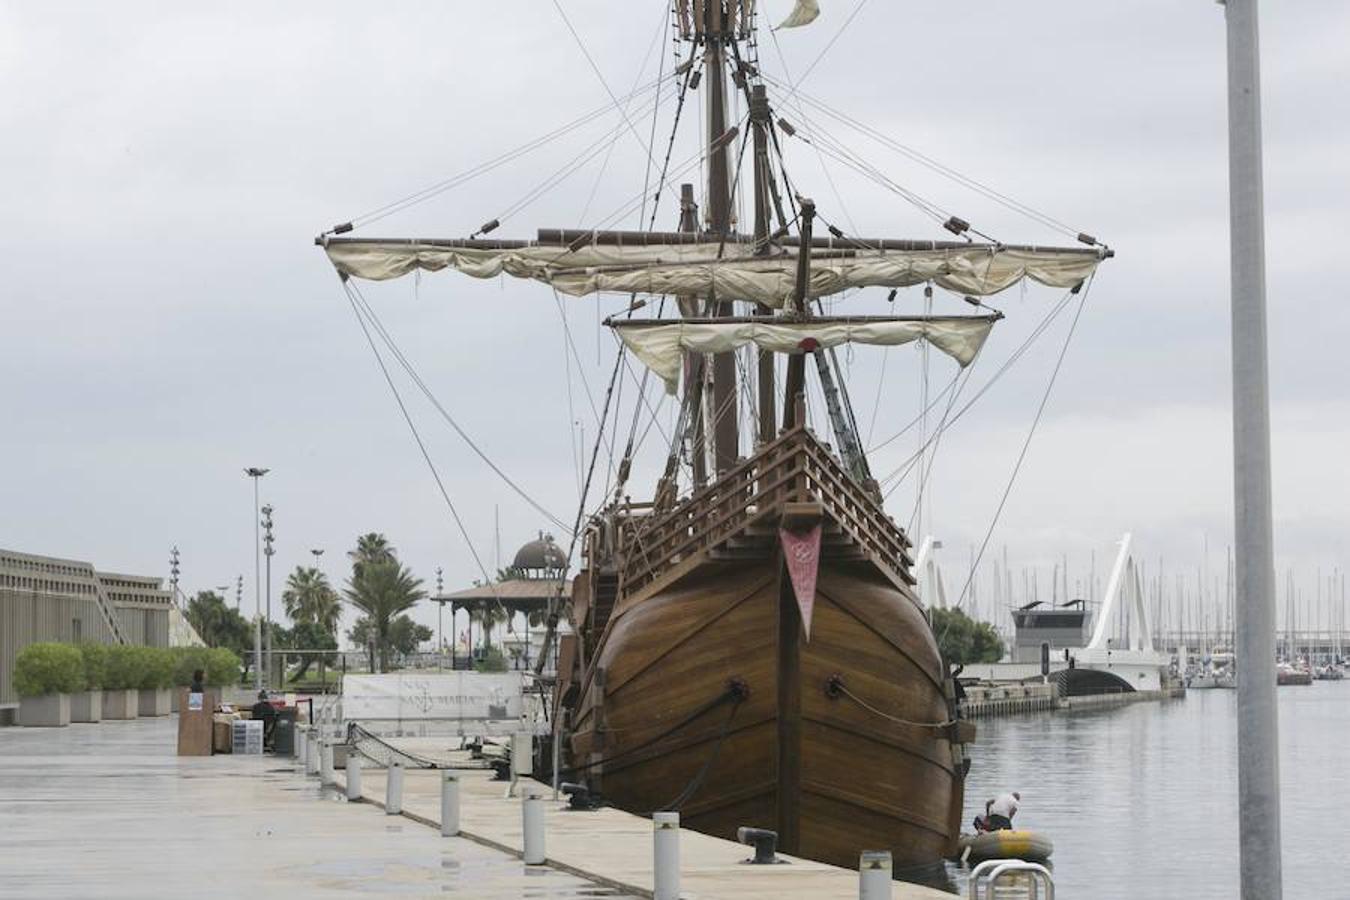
[316, 552]
[440, 620]
[268, 551]
[256, 473]
[173, 574]
[1257, 719]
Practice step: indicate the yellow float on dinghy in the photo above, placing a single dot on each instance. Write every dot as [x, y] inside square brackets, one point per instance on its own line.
[1008, 844]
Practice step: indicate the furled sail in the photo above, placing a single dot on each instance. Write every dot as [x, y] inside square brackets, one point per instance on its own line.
[726, 269]
[661, 344]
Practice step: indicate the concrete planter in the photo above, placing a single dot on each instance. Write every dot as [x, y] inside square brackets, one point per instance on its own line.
[156, 702]
[86, 706]
[46, 711]
[121, 704]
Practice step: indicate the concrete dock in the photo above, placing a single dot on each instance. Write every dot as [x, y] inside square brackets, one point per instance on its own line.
[615, 848]
[108, 810]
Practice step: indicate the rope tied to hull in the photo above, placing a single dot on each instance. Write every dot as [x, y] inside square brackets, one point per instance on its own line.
[736, 691]
[835, 688]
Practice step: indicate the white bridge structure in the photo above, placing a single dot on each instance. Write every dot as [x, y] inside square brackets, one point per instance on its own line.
[1105, 664]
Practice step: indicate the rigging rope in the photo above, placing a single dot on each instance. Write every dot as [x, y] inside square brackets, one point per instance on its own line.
[407, 366]
[1026, 444]
[482, 168]
[407, 417]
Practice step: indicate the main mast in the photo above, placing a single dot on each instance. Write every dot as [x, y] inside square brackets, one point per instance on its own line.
[716, 32]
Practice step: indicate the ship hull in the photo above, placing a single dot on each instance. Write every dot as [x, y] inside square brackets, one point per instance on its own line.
[707, 696]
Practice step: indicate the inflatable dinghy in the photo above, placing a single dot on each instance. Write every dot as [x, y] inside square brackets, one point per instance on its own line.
[1009, 844]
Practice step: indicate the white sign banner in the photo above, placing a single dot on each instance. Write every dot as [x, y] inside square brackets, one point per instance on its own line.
[434, 696]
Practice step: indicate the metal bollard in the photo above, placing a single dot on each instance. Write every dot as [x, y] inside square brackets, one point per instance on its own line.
[393, 789]
[326, 774]
[874, 875]
[533, 819]
[312, 755]
[449, 805]
[666, 855]
[353, 776]
[301, 738]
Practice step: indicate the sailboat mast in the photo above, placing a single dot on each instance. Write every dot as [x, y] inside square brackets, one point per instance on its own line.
[726, 412]
[760, 122]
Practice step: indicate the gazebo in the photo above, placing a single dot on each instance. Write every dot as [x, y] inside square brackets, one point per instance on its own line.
[534, 578]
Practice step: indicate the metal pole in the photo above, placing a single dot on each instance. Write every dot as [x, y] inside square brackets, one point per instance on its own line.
[257, 591]
[1258, 725]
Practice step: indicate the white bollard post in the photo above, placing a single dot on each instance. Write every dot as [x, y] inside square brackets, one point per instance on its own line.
[533, 813]
[874, 875]
[393, 789]
[666, 855]
[522, 759]
[312, 755]
[326, 774]
[449, 805]
[301, 738]
[353, 775]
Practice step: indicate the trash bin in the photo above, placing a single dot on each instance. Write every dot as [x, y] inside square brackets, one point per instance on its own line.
[283, 737]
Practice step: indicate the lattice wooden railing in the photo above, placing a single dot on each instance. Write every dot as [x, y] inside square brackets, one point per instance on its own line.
[794, 468]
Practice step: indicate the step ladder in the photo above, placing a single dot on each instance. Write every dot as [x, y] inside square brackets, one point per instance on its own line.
[1000, 878]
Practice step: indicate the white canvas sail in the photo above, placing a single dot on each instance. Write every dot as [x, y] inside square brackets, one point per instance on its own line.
[695, 269]
[804, 13]
[662, 347]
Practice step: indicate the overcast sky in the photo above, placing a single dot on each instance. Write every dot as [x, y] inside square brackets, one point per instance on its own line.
[167, 321]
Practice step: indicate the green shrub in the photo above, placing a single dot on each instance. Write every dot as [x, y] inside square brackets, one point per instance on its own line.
[155, 667]
[492, 660]
[48, 668]
[123, 669]
[187, 660]
[222, 667]
[95, 665]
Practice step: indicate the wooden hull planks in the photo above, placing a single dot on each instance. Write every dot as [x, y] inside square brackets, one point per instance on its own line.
[706, 696]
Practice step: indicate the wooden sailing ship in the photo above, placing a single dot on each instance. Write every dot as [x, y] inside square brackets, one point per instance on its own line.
[747, 647]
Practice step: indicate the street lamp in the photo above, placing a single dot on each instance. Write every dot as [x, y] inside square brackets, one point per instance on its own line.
[256, 473]
[440, 621]
[317, 553]
[173, 574]
[268, 552]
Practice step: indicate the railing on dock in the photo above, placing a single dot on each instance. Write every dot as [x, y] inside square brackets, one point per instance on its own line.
[989, 877]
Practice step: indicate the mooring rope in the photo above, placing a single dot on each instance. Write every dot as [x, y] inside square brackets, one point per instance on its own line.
[836, 687]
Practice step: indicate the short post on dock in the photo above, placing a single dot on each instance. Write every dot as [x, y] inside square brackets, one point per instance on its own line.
[353, 776]
[666, 855]
[874, 875]
[532, 812]
[393, 789]
[449, 804]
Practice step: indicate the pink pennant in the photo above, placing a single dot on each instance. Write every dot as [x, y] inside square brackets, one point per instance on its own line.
[801, 552]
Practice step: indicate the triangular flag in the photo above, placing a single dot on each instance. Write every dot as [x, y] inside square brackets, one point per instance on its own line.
[804, 13]
[801, 552]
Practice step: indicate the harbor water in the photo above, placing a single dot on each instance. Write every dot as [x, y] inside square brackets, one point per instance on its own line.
[1141, 800]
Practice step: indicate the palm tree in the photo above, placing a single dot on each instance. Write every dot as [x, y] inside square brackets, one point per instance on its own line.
[488, 614]
[309, 597]
[371, 548]
[383, 591]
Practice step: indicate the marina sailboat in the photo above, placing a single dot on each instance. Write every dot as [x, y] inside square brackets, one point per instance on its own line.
[745, 645]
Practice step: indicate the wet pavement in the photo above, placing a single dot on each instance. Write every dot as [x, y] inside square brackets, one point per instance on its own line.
[109, 810]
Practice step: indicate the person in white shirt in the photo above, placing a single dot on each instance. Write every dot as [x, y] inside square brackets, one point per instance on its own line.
[999, 812]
